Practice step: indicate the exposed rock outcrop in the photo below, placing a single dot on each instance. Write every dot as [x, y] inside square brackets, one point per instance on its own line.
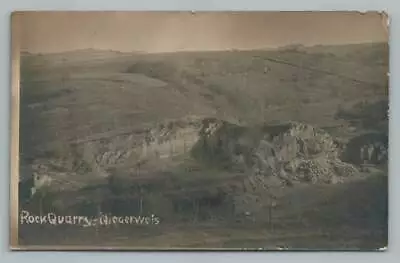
[269, 155]
[290, 152]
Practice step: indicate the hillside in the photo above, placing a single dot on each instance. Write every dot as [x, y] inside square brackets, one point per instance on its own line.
[211, 142]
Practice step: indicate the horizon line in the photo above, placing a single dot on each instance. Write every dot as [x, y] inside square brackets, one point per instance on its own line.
[140, 52]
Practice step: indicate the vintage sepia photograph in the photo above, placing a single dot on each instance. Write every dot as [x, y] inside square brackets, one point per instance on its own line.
[136, 130]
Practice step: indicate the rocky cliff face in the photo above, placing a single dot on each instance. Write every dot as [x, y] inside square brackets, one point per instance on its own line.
[270, 155]
[288, 152]
[97, 156]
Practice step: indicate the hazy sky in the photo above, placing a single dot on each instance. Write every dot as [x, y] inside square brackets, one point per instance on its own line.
[176, 31]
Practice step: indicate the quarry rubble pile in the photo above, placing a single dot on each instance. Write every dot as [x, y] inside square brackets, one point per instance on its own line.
[288, 152]
[302, 153]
